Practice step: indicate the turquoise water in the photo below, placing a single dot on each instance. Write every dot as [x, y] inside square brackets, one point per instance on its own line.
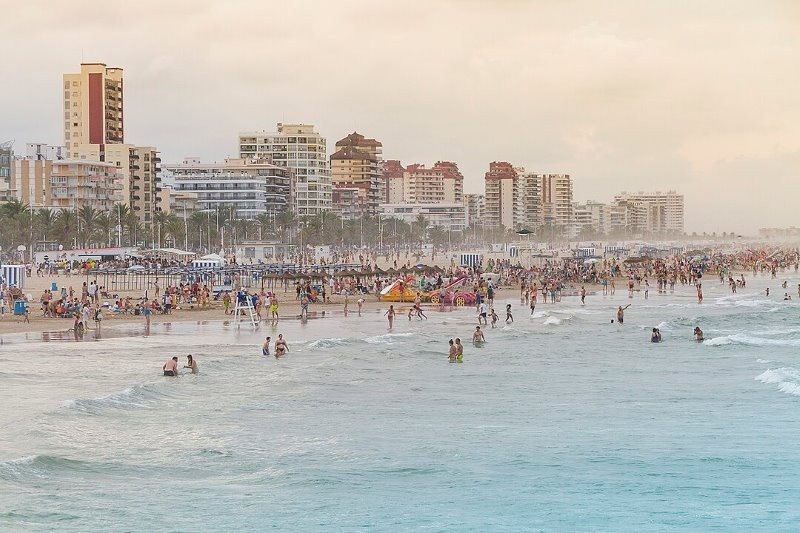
[562, 421]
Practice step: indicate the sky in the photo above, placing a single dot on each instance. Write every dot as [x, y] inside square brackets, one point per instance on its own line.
[699, 97]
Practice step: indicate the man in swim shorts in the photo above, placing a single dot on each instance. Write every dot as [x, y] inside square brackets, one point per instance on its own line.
[171, 367]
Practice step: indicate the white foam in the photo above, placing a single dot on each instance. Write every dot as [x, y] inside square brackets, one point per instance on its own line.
[387, 338]
[327, 343]
[787, 379]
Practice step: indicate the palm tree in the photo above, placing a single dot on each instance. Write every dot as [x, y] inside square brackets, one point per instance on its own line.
[45, 223]
[66, 226]
[87, 224]
[160, 219]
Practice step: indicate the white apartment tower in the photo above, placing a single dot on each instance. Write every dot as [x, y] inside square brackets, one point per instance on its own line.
[304, 151]
[664, 210]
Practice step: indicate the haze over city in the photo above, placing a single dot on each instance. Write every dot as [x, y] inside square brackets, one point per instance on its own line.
[625, 96]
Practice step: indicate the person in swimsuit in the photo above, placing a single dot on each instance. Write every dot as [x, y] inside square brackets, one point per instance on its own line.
[280, 346]
[459, 351]
[477, 335]
[453, 353]
[171, 367]
[191, 363]
[655, 336]
[390, 315]
[265, 346]
[621, 313]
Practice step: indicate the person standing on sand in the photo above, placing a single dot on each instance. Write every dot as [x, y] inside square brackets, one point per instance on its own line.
[390, 315]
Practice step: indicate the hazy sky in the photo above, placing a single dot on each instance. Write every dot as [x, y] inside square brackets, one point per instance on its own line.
[698, 96]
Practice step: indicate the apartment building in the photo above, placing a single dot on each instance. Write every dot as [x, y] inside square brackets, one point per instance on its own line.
[665, 210]
[501, 194]
[356, 164]
[393, 173]
[300, 148]
[556, 191]
[249, 187]
[442, 183]
[140, 167]
[93, 107]
[449, 216]
[6, 157]
[474, 204]
[75, 184]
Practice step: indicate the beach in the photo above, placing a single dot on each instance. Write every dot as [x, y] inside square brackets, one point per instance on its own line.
[560, 421]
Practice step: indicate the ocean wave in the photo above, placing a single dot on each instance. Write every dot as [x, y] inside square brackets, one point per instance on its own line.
[786, 378]
[387, 338]
[38, 466]
[328, 343]
[748, 340]
[137, 396]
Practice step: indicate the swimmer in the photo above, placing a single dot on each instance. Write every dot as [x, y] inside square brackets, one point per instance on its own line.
[494, 317]
[459, 351]
[477, 335]
[621, 313]
[656, 336]
[265, 346]
[171, 367]
[453, 353]
[698, 334]
[191, 363]
[509, 316]
[390, 315]
[280, 346]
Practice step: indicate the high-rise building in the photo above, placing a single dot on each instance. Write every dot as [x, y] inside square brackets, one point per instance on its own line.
[6, 157]
[475, 207]
[247, 186]
[93, 110]
[665, 212]
[501, 197]
[393, 172]
[443, 183]
[556, 191]
[303, 150]
[140, 167]
[529, 209]
[356, 164]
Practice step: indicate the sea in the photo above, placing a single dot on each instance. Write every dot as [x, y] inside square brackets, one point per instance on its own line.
[561, 421]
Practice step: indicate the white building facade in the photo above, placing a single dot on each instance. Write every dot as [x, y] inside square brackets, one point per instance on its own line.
[248, 187]
[449, 216]
[300, 148]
